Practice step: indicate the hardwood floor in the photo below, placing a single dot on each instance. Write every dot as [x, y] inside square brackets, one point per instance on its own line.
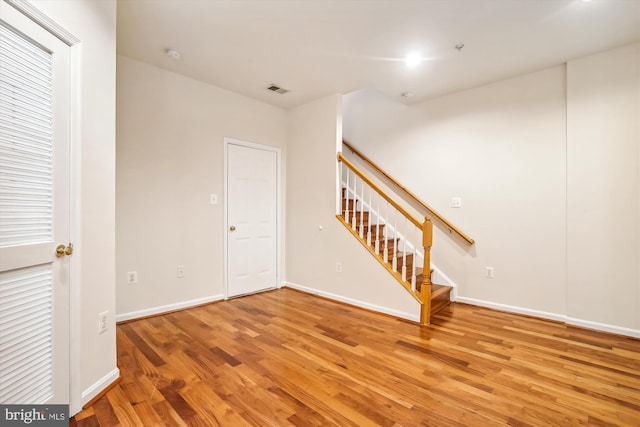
[287, 358]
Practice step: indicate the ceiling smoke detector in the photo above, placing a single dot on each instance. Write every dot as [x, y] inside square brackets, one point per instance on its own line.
[172, 53]
[277, 89]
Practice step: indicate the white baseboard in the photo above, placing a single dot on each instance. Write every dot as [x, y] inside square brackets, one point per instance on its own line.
[603, 327]
[442, 279]
[100, 385]
[166, 308]
[552, 316]
[357, 303]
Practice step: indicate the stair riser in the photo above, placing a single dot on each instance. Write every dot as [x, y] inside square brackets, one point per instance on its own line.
[386, 245]
[390, 248]
[374, 237]
[375, 234]
[373, 228]
[409, 265]
[357, 215]
[376, 230]
[440, 302]
[352, 203]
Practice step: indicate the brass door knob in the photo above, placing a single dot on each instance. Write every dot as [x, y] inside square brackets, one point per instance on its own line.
[232, 228]
[62, 250]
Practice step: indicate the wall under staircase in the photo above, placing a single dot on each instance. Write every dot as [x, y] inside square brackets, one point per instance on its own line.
[315, 240]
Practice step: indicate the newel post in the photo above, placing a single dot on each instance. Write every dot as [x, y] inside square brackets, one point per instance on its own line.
[425, 289]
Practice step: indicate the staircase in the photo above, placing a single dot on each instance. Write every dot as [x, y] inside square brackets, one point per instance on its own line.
[382, 245]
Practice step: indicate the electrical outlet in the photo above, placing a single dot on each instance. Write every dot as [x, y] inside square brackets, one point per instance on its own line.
[132, 277]
[489, 272]
[102, 322]
[180, 271]
[456, 202]
[338, 267]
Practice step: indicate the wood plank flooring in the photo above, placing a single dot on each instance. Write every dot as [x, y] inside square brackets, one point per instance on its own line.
[285, 358]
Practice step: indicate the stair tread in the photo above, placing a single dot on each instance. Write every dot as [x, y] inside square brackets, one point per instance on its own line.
[356, 212]
[437, 290]
[371, 226]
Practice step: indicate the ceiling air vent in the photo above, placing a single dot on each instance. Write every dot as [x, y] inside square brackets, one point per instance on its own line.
[277, 89]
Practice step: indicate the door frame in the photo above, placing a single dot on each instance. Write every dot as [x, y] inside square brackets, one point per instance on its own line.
[279, 229]
[75, 144]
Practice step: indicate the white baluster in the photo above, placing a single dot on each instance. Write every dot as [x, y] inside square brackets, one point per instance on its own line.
[362, 210]
[378, 226]
[404, 250]
[385, 256]
[346, 196]
[355, 208]
[394, 264]
[370, 218]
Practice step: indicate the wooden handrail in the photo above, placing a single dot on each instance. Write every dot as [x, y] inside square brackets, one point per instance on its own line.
[379, 190]
[408, 192]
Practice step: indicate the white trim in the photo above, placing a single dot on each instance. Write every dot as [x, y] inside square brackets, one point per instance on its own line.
[225, 216]
[75, 228]
[75, 144]
[620, 330]
[446, 279]
[511, 308]
[100, 385]
[357, 303]
[33, 13]
[603, 327]
[279, 209]
[167, 308]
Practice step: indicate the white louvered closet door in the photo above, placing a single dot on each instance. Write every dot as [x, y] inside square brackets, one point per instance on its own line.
[34, 212]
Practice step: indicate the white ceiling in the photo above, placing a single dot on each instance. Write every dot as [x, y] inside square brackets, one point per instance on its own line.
[319, 47]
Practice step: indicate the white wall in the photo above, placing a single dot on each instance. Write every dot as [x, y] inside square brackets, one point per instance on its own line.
[503, 148]
[313, 136]
[603, 215]
[93, 356]
[170, 132]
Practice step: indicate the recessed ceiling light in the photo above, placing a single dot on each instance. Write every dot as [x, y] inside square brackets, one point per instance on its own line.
[172, 54]
[413, 59]
[586, 1]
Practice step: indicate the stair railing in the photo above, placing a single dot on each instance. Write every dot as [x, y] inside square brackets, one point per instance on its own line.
[394, 236]
[452, 228]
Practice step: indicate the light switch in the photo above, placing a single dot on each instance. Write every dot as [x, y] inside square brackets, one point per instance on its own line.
[213, 198]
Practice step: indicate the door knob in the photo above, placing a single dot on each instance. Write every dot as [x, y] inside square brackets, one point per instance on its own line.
[232, 228]
[62, 250]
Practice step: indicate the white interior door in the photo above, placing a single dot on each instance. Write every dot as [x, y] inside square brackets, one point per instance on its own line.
[252, 219]
[34, 212]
